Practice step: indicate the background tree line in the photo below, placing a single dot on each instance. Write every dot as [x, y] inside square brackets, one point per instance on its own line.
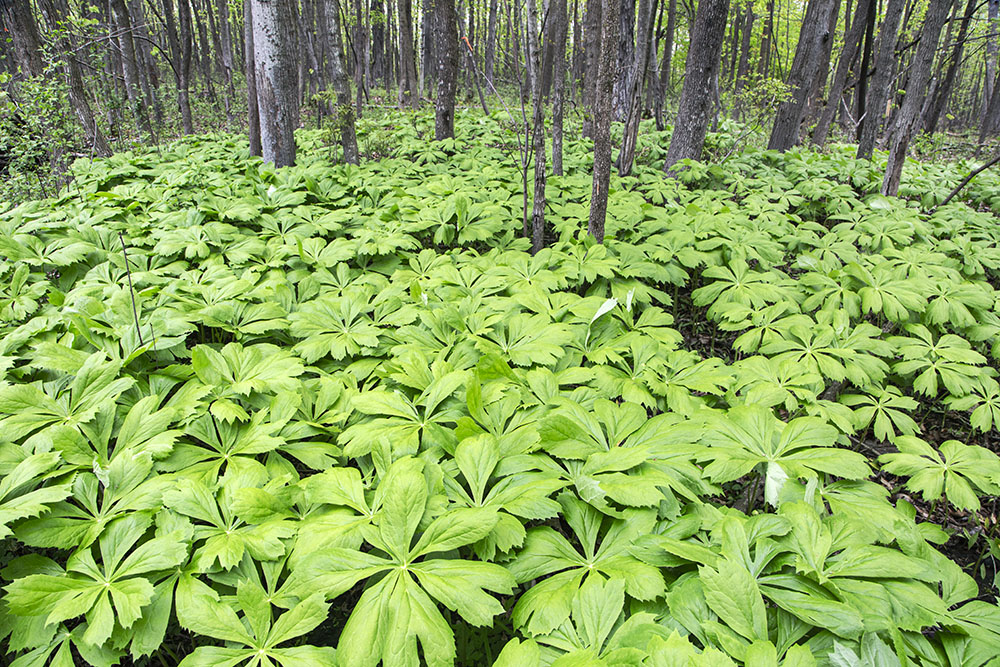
[85, 78]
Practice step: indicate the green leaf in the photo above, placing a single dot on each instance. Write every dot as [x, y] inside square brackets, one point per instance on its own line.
[732, 593]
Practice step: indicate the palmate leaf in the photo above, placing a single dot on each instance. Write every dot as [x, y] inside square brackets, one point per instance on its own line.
[122, 579]
[245, 370]
[30, 406]
[526, 340]
[548, 603]
[984, 401]
[960, 472]
[887, 409]
[220, 534]
[200, 610]
[335, 326]
[399, 609]
[100, 497]
[407, 424]
[750, 436]
[20, 298]
[949, 359]
[515, 493]
[21, 494]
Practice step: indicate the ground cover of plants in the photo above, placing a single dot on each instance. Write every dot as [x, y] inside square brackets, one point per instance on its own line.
[339, 415]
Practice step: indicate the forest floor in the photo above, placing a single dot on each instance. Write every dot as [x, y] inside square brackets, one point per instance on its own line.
[309, 374]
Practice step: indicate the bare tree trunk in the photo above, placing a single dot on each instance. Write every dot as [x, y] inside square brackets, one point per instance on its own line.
[560, 30]
[633, 115]
[378, 20]
[19, 23]
[343, 112]
[147, 62]
[813, 38]
[183, 61]
[652, 66]
[592, 56]
[626, 57]
[407, 64]
[743, 66]
[576, 76]
[766, 39]
[130, 66]
[992, 25]
[694, 112]
[205, 51]
[907, 120]
[275, 53]
[491, 42]
[547, 54]
[602, 118]
[666, 66]
[447, 69]
[226, 49]
[538, 128]
[881, 83]
[847, 56]
[818, 87]
[253, 111]
[934, 110]
[428, 53]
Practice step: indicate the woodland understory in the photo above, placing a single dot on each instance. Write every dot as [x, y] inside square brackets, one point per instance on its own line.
[570, 333]
[337, 414]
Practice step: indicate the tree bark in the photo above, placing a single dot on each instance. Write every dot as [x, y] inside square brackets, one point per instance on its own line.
[184, 66]
[847, 56]
[537, 128]
[743, 65]
[992, 24]
[19, 22]
[908, 117]
[694, 111]
[205, 51]
[378, 18]
[547, 53]
[823, 71]
[226, 51]
[407, 64]
[560, 30]
[813, 38]
[666, 66]
[491, 42]
[637, 78]
[342, 111]
[602, 118]
[428, 53]
[626, 57]
[766, 38]
[447, 69]
[275, 53]
[148, 67]
[881, 83]
[592, 57]
[936, 107]
[130, 66]
[362, 58]
[253, 112]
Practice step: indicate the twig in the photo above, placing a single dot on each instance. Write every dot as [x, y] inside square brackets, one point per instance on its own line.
[128, 273]
[965, 181]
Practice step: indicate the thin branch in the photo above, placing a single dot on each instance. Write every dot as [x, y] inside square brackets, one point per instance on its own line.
[965, 181]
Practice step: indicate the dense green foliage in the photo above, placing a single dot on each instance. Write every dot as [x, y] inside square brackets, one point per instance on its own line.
[357, 421]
